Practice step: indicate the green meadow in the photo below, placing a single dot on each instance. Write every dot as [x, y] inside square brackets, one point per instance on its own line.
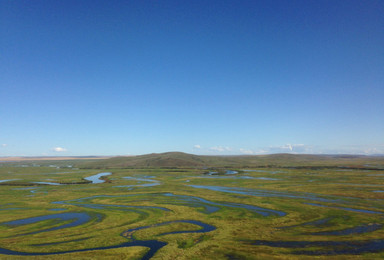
[238, 207]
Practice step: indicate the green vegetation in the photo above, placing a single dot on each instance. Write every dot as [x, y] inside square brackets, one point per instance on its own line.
[318, 194]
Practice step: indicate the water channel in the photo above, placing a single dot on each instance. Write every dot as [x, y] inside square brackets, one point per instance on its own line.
[95, 179]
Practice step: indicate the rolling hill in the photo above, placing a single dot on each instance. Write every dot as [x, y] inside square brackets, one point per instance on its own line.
[184, 160]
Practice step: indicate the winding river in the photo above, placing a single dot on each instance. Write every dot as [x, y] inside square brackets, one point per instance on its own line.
[95, 179]
[153, 245]
[73, 219]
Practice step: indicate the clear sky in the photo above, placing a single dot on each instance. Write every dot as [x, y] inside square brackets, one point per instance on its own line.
[204, 77]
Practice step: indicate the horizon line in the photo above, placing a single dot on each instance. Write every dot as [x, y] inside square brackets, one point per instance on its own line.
[221, 155]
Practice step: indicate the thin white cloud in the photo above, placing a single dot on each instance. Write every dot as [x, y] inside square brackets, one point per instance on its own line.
[290, 148]
[4, 145]
[220, 149]
[261, 151]
[197, 146]
[59, 149]
[357, 149]
[246, 151]
[313, 149]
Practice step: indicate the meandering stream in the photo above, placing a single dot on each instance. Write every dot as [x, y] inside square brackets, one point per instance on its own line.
[81, 218]
[95, 179]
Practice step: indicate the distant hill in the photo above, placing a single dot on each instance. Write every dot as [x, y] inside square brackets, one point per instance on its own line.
[171, 159]
[184, 160]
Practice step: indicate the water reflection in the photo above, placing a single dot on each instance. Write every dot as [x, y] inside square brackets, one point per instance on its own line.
[264, 193]
[46, 183]
[76, 218]
[95, 179]
[144, 179]
[348, 209]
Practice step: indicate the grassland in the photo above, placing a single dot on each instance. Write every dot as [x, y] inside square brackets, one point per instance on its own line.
[333, 207]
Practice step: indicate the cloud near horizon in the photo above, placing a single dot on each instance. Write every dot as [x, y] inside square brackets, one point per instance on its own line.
[357, 149]
[220, 149]
[4, 145]
[314, 149]
[246, 151]
[290, 148]
[197, 146]
[59, 149]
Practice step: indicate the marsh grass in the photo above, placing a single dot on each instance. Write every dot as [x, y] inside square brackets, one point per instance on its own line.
[236, 227]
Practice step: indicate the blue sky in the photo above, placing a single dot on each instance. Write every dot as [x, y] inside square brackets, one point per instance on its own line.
[204, 77]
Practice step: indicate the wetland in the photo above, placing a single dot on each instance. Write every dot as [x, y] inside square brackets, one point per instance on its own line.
[189, 212]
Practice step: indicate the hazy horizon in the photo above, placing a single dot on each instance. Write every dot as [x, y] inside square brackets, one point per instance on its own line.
[106, 78]
[209, 154]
